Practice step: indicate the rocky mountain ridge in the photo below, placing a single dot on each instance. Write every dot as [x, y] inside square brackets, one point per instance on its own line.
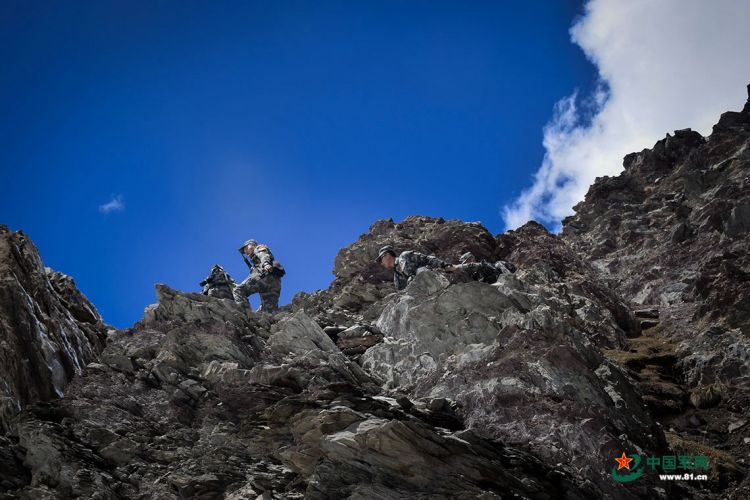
[49, 329]
[627, 332]
[671, 235]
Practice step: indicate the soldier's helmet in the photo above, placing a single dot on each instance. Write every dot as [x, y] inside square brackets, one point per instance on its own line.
[386, 249]
[467, 257]
[249, 242]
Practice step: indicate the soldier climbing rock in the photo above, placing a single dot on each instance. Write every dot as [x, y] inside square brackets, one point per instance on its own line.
[264, 279]
[406, 265]
[483, 271]
[218, 284]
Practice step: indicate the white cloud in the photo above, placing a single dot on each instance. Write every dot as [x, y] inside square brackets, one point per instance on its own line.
[116, 204]
[663, 65]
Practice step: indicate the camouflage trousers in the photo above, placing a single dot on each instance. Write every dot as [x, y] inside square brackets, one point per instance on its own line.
[268, 287]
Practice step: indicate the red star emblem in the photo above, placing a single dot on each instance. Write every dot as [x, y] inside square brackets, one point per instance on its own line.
[623, 462]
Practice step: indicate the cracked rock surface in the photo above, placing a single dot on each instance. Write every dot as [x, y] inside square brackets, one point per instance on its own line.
[49, 330]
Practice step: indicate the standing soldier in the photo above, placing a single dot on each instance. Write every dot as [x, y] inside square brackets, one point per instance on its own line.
[406, 265]
[265, 277]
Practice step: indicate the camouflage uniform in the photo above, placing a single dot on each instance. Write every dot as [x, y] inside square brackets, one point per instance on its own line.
[265, 284]
[484, 271]
[505, 267]
[218, 284]
[408, 263]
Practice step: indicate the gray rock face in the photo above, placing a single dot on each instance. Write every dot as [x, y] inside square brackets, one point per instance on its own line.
[445, 239]
[172, 305]
[716, 355]
[519, 363]
[671, 233]
[680, 228]
[48, 330]
[185, 406]
[671, 230]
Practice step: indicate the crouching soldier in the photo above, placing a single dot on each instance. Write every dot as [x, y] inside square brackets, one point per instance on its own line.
[265, 277]
[483, 271]
[406, 265]
[218, 284]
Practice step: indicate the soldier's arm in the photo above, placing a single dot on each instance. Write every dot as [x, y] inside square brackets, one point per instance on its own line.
[504, 266]
[435, 263]
[264, 255]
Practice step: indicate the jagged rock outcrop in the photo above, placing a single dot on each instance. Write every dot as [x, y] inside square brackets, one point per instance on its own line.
[357, 293]
[232, 405]
[49, 330]
[671, 235]
[520, 360]
[672, 229]
[360, 283]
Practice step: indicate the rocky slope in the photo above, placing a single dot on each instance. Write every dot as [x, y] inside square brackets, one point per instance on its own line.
[671, 234]
[48, 330]
[202, 399]
[469, 390]
[628, 332]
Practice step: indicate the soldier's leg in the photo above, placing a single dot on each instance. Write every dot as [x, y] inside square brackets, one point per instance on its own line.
[248, 287]
[269, 298]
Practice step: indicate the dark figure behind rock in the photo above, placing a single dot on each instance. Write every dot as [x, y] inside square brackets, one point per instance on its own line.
[218, 284]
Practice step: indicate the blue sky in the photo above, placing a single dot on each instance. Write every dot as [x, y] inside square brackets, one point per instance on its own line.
[296, 123]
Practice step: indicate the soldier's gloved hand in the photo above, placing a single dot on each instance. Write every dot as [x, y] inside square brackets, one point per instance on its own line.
[267, 268]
